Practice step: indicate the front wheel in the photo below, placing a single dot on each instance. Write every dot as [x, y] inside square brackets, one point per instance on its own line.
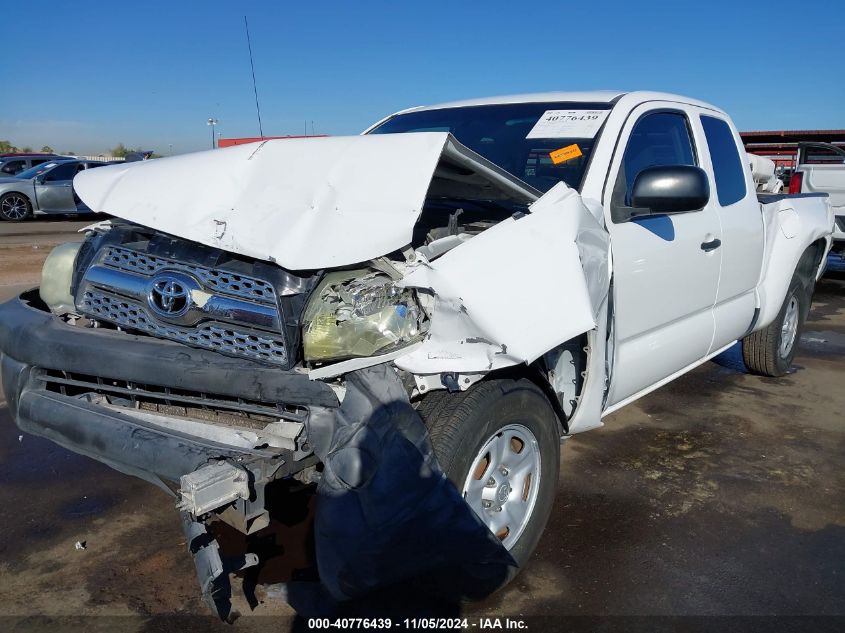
[499, 444]
[770, 351]
[15, 207]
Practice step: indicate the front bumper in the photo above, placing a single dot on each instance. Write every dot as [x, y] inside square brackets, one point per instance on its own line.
[33, 342]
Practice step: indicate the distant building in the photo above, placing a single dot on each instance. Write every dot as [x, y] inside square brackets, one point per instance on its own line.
[782, 146]
[229, 142]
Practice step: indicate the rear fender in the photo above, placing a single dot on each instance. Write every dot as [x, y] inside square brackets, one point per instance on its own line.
[792, 225]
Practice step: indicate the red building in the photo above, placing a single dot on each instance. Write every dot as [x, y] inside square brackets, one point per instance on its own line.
[229, 142]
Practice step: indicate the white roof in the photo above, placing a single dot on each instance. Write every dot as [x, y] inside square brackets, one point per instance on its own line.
[592, 96]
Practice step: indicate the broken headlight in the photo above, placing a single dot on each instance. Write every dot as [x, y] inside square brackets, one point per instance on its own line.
[357, 314]
[57, 278]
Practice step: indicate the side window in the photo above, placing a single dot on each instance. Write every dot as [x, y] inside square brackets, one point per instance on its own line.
[658, 139]
[65, 171]
[13, 166]
[728, 168]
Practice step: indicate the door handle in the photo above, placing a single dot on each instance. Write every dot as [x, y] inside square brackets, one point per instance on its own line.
[711, 245]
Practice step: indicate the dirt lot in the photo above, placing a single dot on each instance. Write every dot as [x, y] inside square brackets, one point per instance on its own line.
[720, 494]
[23, 247]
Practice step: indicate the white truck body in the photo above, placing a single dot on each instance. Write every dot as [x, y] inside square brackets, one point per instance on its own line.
[821, 169]
[310, 203]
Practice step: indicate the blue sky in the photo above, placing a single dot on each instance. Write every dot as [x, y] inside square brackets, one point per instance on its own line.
[151, 73]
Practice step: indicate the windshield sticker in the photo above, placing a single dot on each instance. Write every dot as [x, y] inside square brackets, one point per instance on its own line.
[568, 124]
[565, 153]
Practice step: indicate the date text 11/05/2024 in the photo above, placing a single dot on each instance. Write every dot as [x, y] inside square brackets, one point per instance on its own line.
[481, 624]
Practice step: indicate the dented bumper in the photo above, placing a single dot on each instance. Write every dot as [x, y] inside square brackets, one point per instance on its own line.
[48, 367]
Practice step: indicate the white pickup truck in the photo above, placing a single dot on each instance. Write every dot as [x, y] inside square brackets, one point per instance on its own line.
[512, 269]
[820, 168]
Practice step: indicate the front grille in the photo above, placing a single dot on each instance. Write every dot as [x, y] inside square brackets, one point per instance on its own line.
[213, 408]
[222, 310]
[222, 281]
[223, 338]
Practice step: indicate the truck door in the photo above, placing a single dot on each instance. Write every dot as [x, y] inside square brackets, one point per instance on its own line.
[54, 189]
[733, 195]
[665, 267]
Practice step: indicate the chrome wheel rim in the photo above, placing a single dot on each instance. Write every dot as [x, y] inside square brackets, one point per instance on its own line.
[503, 482]
[789, 328]
[14, 207]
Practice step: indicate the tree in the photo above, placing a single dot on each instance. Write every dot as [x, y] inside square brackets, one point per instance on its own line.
[120, 151]
[47, 149]
[7, 148]
[27, 150]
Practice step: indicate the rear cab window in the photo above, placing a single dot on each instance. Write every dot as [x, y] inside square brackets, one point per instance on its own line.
[728, 168]
[821, 155]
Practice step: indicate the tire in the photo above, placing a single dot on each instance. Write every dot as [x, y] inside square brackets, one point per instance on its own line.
[15, 207]
[770, 351]
[465, 426]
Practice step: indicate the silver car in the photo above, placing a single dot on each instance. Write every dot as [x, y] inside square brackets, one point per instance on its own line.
[44, 189]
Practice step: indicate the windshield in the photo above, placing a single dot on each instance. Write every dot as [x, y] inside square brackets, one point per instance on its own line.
[32, 172]
[539, 143]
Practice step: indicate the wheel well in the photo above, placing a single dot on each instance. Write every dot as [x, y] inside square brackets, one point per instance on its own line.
[539, 372]
[810, 262]
[17, 193]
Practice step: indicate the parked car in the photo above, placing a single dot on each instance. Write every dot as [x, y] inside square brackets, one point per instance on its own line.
[820, 168]
[11, 164]
[46, 188]
[506, 271]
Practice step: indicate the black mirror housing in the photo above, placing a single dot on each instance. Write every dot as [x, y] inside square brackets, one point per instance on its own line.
[670, 189]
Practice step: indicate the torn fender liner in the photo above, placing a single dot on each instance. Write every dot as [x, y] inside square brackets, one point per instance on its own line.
[302, 203]
[214, 582]
[386, 513]
[517, 290]
[213, 570]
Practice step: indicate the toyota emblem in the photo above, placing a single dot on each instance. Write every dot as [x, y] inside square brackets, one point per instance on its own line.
[170, 294]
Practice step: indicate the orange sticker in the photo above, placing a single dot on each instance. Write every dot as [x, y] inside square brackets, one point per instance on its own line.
[565, 153]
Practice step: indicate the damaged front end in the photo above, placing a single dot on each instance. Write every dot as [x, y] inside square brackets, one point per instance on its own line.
[260, 330]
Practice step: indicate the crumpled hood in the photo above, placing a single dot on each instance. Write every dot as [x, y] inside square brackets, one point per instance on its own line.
[301, 203]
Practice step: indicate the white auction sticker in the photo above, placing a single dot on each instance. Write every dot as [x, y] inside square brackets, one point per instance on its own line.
[568, 124]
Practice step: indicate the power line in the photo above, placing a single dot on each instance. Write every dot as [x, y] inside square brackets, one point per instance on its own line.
[254, 87]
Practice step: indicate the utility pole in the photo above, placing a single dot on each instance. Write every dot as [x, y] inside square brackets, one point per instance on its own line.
[212, 122]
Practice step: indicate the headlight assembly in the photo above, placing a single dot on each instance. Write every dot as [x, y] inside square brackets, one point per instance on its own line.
[358, 314]
[57, 277]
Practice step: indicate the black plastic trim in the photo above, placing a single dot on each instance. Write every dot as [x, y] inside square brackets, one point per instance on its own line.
[37, 338]
[768, 198]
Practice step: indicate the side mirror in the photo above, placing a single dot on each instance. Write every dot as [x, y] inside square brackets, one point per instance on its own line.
[40, 178]
[670, 189]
